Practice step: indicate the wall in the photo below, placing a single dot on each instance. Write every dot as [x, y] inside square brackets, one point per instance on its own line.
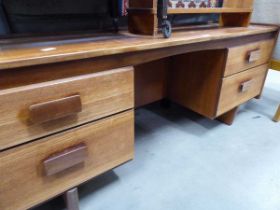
[268, 11]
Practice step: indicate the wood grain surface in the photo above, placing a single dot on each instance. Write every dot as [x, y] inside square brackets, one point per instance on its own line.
[151, 81]
[195, 80]
[102, 94]
[110, 142]
[238, 3]
[18, 53]
[240, 57]
[232, 94]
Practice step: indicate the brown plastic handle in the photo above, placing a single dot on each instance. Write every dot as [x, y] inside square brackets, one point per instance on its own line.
[52, 110]
[68, 158]
[245, 86]
[254, 55]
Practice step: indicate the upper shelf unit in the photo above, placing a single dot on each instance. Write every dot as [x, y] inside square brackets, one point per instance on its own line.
[144, 16]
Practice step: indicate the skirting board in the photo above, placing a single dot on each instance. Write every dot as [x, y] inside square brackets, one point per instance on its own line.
[275, 65]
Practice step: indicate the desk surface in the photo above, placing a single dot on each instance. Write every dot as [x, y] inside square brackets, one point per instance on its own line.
[27, 52]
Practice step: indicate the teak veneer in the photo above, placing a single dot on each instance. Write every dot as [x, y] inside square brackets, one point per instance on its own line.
[30, 52]
[67, 103]
[37, 110]
[28, 177]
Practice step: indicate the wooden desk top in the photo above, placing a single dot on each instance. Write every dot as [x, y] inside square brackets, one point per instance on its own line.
[27, 52]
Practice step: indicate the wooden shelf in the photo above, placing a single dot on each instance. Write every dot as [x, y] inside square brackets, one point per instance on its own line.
[209, 10]
[193, 11]
[143, 17]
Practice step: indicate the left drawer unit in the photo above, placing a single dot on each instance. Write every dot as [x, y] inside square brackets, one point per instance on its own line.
[34, 111]
[40, 170]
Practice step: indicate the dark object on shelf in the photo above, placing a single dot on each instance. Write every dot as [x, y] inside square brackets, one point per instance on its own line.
[58, 16]
[166, 21]
[163, 18]
[166, 28]
[4, 28]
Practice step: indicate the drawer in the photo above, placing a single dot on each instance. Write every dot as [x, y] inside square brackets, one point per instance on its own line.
[247, 56]
[241, 87]
[37, 171]
[37, 110]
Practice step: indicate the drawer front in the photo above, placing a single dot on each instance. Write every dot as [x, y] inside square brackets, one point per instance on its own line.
[38, 110]
[241, 87]
[247, 56]
[32, 173]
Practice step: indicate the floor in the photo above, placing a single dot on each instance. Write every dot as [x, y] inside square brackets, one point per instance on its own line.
[186, 162]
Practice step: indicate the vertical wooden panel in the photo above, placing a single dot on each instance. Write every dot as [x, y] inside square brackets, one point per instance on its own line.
[196, 79]
[143, 23]
[235, 20]
[151, 82]
[239, 3]
[143, 3]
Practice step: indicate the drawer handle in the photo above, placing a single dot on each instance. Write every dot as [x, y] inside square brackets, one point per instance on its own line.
[254, 55]
[52, 110]
[68, 158]
[245, 86]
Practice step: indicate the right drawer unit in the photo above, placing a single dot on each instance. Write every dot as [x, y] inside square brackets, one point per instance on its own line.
[214, 82]
[241, 87]
[247, 56]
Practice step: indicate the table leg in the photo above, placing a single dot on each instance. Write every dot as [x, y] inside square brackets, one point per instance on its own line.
[277, 115]
[71, 198]
[228, 117]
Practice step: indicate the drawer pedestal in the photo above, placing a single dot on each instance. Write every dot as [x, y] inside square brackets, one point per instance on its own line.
[214, 83]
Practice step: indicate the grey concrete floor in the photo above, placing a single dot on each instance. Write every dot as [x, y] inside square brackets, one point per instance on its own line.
[186, 162]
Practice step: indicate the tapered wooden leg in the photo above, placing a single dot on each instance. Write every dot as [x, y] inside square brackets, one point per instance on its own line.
[277, 115]
[71, 198]
[258, 97]
[228, 117]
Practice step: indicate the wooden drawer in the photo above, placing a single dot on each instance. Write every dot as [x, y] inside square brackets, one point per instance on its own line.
[35, 172]
[241, 87]
[37, 110]
[247, 56]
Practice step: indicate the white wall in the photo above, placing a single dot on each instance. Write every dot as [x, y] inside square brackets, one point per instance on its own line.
[268, 11]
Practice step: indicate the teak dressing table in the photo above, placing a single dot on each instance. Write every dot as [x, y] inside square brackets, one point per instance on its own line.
[67, 103]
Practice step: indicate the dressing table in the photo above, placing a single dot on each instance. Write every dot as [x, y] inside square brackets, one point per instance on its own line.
[67, 102]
